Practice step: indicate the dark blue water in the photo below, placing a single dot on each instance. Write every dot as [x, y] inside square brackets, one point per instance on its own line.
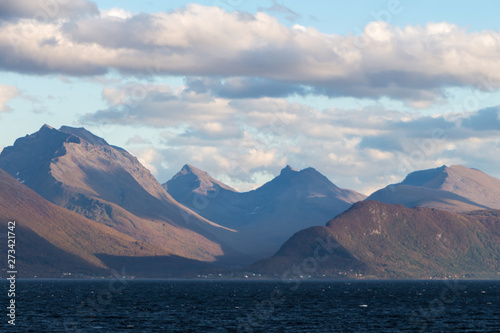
[248, 306]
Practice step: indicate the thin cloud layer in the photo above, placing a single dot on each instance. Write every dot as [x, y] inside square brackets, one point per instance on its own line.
[414, 64]
[201, 115]
[46, 10]
[237, 139]
[280, 8]
[7, 93]
[245, 87]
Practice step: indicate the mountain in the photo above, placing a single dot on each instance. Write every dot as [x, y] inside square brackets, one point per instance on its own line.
[375, 239]
[455, 188]
[51, 240]
[266, 217]
[191, 181]
[77, 170]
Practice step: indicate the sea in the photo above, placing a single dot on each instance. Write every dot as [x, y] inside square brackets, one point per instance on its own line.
[127, 305]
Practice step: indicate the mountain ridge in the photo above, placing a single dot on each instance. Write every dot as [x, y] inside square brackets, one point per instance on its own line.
[197, 222]
[63, 241]
[268, 215]
[455, 188]
[110, 186]
[375, 239]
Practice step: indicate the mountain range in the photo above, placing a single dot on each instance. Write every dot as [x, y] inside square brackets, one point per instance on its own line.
[79, 171]
[86, 207]
[267, 216]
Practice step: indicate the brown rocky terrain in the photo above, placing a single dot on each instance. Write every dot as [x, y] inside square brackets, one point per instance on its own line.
[375, 239]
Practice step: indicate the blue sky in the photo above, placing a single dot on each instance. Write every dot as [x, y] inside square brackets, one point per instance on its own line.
[241, 88]
[342, 17]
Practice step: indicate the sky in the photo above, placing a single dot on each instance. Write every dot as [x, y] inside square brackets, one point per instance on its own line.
[363, 91]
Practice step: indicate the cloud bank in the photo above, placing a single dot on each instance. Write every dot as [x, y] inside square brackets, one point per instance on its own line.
[245, 51]
[240, 138]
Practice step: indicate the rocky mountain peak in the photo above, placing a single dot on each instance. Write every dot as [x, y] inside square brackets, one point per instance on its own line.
[432, 178]
[192, 178]
[82, 133]
[189, 169]
[288, 170]
[456, 188]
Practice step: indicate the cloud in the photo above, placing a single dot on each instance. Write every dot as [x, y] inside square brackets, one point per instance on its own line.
[241, 138]
[484, 120]
[242, 55]
[7, 93]
[405, 135]
[137, 140]
[280, 8]
[35, 48]
[245, 87]
[147, 157]
[200, 115]
[46, 10]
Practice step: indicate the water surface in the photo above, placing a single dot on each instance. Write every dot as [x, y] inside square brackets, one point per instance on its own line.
[254, 306]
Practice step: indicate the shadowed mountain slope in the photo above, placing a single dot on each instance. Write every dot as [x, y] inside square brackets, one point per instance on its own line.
[267, 216]
[51, 240]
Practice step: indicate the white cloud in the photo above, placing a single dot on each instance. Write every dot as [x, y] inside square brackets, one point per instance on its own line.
[116, 13]
[361, 149]
[380, 155]
[7, 93]
[148, 157]
[202, 115]
[46, 10]
[414, 63]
